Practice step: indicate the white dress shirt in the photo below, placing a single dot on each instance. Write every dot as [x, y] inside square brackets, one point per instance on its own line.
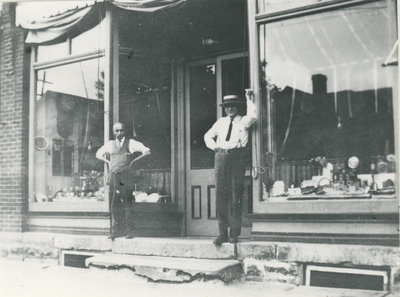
[134, 146]
[215, 137]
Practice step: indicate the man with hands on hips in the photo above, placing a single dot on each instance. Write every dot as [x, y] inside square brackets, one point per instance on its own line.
[117, 154]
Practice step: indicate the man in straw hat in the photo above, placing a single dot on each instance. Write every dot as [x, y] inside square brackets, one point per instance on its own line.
[228, 137]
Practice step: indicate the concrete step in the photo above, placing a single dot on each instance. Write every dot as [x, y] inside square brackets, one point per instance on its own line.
[174, 247]
[167, 269]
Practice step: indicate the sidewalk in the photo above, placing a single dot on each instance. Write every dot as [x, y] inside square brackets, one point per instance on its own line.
[30, 279]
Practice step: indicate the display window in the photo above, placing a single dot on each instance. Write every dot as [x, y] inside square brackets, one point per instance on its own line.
[69, 129]
[68, 120]
[145, 84]
[327, 96]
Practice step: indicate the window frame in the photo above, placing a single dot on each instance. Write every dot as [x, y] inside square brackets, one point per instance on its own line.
[35, 66]
[277, 207]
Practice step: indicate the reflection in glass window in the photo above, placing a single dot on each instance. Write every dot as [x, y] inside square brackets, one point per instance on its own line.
[203, 113]
[331, 98]
[52, 52]
[90, 41]
[145, 109]
[69, 129]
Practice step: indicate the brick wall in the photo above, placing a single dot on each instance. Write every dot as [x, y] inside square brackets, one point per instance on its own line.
[14, 72]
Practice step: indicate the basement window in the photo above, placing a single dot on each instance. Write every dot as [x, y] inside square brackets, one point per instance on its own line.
[75, 259]
[348, 278]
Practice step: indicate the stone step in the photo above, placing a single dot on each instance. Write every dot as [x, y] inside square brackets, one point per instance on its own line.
[167, 269]
[174, 247]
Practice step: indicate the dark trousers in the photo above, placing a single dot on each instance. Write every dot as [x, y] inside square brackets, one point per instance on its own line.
[121, 187]
[229, 177]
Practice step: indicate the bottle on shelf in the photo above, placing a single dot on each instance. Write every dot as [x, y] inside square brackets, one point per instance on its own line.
[78, 191]
[373, 187]
[340, 178]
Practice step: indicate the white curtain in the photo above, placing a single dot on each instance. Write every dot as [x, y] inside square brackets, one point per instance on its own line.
[54, 28]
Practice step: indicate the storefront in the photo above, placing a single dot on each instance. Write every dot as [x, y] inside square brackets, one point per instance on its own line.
[328, 82]
[324, 83]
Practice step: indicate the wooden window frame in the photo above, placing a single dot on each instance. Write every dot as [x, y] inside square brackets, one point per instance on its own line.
[261, 206]
[110, 92]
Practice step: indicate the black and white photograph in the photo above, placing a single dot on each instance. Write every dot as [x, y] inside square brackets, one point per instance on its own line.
[199, 148]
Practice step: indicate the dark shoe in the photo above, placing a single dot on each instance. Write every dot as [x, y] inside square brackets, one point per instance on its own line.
[233, 239]
[113, 236]
[219, 240]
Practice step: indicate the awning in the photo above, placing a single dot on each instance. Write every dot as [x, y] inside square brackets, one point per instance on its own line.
[53, 29]
[146, 5]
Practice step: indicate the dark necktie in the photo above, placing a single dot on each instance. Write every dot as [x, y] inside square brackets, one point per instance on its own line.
[228, 136]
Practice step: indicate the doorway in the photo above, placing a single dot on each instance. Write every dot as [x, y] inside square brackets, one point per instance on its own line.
[207, 81]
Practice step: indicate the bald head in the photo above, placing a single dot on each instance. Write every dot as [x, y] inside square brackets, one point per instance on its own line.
[119, 130]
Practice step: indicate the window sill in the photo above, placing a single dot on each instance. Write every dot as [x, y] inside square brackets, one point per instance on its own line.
[281, 205]
[83, 206]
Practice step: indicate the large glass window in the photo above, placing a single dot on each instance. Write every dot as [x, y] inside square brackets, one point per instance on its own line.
[145, 109]
[89, 41]
[52, 51]
[327, 99]
[69, 128]
[203, 113]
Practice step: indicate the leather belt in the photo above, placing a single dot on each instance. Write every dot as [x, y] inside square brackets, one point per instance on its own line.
[230, 151]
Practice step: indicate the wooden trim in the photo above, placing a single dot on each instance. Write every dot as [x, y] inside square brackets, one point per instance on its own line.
[348, 206]
[211, 56]
[218, 86]
[193, 202]
[359, 239]
[180, 120]
[114, 58]
[173, 119]
[68, 60]
[69, 215]
[69, 42]
[68, 207]
[255, 86]
[209, 187]
[396, 105]
[32, 126]
[108, 87]
[308, 9]
[326, 218]
[69, 230]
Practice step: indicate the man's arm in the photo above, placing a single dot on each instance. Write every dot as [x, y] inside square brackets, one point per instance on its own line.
[251, 115]
[136, 146]
[101, 155]
[144, 154]
[209, 137]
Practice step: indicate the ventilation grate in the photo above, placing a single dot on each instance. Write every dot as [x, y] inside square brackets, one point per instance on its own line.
[349, 278]
[74, 258]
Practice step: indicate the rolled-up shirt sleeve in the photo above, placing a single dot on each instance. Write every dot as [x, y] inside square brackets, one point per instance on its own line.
[136, 146]
[209, 137]
[100, 152]
[104, 150]
[251, 115]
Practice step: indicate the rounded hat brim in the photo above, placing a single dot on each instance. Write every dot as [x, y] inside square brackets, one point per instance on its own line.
[233, 102]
